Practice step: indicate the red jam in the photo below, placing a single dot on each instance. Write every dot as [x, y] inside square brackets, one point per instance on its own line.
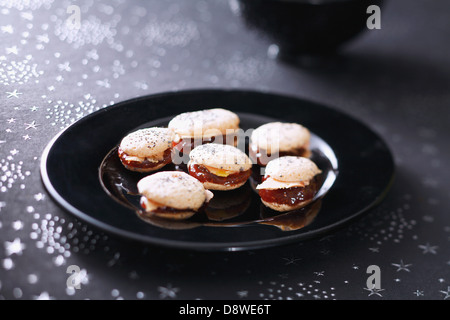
[204, 175]
[290, 196]
[146, 164]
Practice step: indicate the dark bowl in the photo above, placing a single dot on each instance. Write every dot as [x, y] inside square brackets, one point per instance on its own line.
[306, 26]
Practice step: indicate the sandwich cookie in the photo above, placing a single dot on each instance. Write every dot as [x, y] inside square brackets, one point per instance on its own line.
[205, 126]
[146, 150]
[289, 183]
[219, 167]
[278, 139]
[172, 195]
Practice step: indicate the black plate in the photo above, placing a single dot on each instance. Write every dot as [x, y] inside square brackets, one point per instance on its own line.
[357, 166]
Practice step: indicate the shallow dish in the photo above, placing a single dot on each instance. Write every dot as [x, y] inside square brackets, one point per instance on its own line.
[357, 167]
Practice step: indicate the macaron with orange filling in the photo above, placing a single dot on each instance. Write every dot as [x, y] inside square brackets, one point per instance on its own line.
[219, 167]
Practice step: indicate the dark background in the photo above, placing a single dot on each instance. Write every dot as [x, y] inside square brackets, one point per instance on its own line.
[396, 80]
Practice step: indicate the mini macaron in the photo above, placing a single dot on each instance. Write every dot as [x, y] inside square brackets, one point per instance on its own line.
[219, 167]
[204, 126]
[279, 139]
[172, 195]
[289, 183]
[146, 150]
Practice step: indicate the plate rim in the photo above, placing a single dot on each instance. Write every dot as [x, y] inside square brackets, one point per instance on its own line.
[200, 246]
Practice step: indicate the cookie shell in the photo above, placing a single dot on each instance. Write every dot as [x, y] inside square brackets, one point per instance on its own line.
[292, 169]
[205, 123]
[280, 137]
[285, 207]
[222, 187]
[173, 189]
[148, 143]
[224, 157]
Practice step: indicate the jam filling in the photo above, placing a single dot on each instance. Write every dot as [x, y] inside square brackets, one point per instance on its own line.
[146, 164]
[291, 196]
[188, 144]
[263, 159]
[204, 175]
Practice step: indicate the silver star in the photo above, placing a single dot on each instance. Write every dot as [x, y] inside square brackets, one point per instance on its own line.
[12, 50]
[39, 196]
[43, 38]
[64, 66]
[31, 125]
[319, 273]
[82, 277]
[11, 120]
[103, 83]
[242, 294]
[418, 293]
[447, 293]
[376, 250]
[7, 29]
[374, 291]
[15, 247]
[34, 108]
[427, 248]
[14, 94]
[291, 260]
[14, 152]
[401, 266]
[168, 292]
[92, 54]
[27, 15]
[26, 137]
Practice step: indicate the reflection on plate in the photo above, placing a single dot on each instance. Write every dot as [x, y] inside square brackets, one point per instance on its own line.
[72, 162]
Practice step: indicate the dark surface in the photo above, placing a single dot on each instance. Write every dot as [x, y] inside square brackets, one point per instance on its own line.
[396, 80]
[306, 27]
[364, 171]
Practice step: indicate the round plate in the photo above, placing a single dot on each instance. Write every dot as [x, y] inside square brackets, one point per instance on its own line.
[358, 166]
